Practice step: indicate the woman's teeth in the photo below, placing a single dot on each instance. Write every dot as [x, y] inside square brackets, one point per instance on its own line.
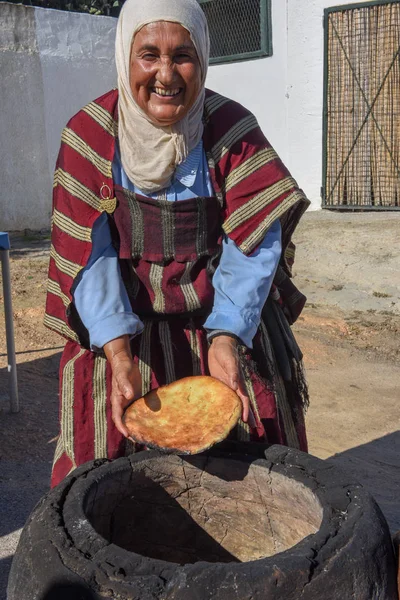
[162, 92]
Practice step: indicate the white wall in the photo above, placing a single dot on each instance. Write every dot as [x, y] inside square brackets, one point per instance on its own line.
[51, 64]
[77, 62]
[285, 91]
[64, 60]
[24, 175]
[260, 84]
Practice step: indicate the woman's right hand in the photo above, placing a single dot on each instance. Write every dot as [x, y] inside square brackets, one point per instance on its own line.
[126, 379]
[223, 364]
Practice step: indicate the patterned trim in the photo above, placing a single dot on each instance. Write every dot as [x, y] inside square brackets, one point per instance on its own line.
[282, 403]
[235, 133]
[101, 116]
[212, 263]
[168, 224]
[292, 439]
[156, 277]
[168, 351]
[60, 327]
[258, 234]
[100, 404]
[214, 103]
[53, 287]
[242, 431]
[137, 225]
[77, 189]
[265, 342]
[258, 203]
[65, 266]
[253, 401]
[211, 168]
[67, 225]
[133, 284]
[191, 298]
[249, 384]
[75, 142]
[145, 357]
[162, 195]
[67, 406]
[201, 235]
[70, 471]
[249, 166]
[289, 254]
[195, 349]
[59, 451]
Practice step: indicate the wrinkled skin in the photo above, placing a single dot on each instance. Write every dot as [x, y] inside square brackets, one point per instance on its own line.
[164, 59]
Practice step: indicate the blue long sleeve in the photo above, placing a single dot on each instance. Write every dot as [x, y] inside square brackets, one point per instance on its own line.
[241, 283]
[100, 297]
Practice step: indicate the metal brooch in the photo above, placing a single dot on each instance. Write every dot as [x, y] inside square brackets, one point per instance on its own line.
[107, 203]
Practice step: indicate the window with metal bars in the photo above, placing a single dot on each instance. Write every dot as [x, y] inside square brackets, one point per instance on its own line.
[239, 29]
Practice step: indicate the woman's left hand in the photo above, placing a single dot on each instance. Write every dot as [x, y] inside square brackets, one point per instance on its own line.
[223, 363]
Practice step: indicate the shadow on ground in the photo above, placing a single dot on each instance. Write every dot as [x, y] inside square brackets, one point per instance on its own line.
[5, 566]
[376, 466]
[27, 445]
[22, 484]
[28, 434]
[32, 244]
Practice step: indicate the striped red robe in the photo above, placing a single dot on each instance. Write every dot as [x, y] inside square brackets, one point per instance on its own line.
[254, 189]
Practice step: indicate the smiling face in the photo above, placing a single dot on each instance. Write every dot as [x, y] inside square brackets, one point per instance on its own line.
[165, 72]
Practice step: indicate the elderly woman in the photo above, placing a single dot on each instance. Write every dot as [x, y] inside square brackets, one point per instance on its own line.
[171, 254]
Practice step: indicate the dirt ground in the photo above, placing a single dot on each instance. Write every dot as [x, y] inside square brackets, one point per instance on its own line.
[349, 267]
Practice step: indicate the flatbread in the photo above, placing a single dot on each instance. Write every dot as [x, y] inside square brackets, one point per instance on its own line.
[187, 416]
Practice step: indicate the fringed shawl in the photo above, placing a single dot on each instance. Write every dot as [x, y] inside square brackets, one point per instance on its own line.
[253, 185]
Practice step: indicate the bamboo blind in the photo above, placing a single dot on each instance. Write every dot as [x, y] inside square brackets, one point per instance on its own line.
[363, 107]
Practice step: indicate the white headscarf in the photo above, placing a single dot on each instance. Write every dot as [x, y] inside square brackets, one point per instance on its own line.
[150, 153]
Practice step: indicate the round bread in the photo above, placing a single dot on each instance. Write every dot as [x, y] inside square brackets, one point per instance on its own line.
[187, 416]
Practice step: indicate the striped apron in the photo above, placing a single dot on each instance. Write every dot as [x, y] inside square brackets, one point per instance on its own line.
[168, 254]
